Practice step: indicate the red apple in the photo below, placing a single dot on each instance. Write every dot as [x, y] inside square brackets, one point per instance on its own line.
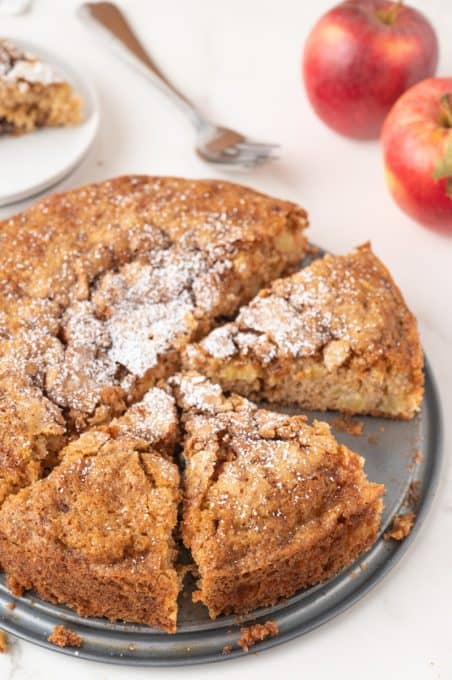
[417, 148]
[360, 57]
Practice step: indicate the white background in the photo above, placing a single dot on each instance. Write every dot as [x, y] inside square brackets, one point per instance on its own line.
[239, 59]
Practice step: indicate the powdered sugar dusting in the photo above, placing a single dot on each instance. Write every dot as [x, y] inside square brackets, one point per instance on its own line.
[346, 299]
[18, 66]
[153, 419]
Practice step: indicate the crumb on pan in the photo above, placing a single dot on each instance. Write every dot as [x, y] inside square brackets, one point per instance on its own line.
[14, 586]
[11, 606]
[413, 495]
[349, 425]
[249, 635]
[417, 458]
[64, 637]
[401, 527]
[3, 642]
[227, 649]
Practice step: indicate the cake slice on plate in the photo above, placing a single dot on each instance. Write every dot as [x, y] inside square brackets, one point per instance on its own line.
[33, 94]
[97, 533]
[336, 335]
[272, 504]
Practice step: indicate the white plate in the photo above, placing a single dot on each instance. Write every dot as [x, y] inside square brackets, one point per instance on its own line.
[34, 162]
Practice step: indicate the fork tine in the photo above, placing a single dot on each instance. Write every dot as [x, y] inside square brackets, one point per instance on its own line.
[248, 145]
[256, 158]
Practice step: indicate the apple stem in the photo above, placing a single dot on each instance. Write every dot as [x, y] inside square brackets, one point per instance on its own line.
[389, 15]
[446, 110]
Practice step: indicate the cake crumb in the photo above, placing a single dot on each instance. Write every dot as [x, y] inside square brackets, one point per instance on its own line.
[417, 458]
[312, 249]
[227, 649]
[373, 439]
[413, 495]
[249, 635]
[14, 586]
[349, 425]
[63, 637]
[11, 606]
[401, 527]
[3, 642]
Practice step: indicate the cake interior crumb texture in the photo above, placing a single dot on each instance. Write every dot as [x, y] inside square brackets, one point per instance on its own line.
[336, 335]
[272, 504]
[33, 94]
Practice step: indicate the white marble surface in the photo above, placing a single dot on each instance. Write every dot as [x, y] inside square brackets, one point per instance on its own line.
[240, 60]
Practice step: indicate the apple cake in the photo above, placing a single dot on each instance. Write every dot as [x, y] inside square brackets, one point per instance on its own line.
[272, 504]
[33, 94]
[336, 335]
[97, 533]
[102, 287]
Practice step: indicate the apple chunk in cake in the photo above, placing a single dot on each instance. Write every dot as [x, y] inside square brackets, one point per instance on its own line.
[272, 504]
[335, 335]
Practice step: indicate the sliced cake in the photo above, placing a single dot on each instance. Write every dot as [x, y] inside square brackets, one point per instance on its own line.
[33, 94]
[97, 533]
[335, 335]
[272, 505]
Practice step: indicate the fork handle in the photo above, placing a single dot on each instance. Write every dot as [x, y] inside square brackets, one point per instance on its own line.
[111, 25]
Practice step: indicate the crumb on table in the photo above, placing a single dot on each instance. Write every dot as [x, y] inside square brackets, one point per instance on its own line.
[348, 425]
[63, 637]
[249, 635]
[3, 642]
[401, 527]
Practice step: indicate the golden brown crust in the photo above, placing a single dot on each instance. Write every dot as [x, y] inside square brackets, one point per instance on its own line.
[272, 504]
[335, 335]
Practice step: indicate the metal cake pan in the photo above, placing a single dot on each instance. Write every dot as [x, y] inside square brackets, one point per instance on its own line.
[391, 450]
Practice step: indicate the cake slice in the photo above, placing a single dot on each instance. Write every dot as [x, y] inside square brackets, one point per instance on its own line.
[335, 335]
[97, 533]
[33, 94]
[272, 505]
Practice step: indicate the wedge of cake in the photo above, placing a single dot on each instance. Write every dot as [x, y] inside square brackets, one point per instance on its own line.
[97, 533]
[272, 504]
[33, 94]
[335, 335]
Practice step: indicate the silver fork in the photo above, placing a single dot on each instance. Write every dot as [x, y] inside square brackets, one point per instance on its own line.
[214, 143]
